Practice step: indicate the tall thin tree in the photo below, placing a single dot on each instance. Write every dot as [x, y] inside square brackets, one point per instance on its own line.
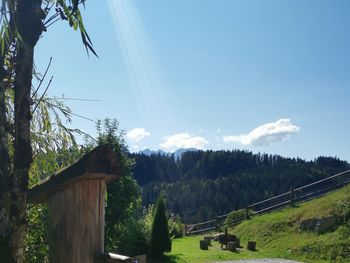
[22, 24]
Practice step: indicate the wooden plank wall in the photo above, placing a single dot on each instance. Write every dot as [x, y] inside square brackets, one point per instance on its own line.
[76, 219]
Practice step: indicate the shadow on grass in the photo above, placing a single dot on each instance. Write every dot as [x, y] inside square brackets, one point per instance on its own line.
[168, 259]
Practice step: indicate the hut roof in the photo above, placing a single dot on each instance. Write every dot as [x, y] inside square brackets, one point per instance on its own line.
[100, 163]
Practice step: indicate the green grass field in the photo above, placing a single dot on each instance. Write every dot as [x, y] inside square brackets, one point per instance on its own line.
[277, 236]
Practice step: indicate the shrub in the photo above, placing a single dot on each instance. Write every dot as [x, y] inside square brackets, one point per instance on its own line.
[176, 228]
[133, 240]
[160, 238]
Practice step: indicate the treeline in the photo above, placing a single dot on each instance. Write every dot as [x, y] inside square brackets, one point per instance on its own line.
[202, 184]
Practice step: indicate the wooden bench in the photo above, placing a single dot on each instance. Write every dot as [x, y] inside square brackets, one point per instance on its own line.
[224, 239]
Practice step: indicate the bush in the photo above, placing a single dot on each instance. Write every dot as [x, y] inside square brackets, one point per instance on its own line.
[343, 210]
[36, 240]
[160, 238]
[133, 238]
[176, 228]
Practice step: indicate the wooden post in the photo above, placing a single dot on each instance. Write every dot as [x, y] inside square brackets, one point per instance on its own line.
[238, 242]
[292, 197]
[76, 206]
[186, 231]
[208, 239]
[247, 217]
[251, 245]
[203, 244]
[216, 223]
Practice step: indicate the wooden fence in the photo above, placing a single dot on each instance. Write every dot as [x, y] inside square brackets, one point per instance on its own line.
[290, 198]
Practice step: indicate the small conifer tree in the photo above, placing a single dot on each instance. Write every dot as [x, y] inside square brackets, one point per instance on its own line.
[160, 239]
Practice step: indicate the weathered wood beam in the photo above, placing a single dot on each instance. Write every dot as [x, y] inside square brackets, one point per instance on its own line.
[100, 163]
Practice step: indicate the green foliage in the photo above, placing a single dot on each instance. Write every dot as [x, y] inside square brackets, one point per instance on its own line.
[124, 195]
[36, 241]
[134, 234]
[176, 228]
[133, 239]
[123, 199]
[147, 220]
[69, 10]
[160, 239]
[49, 125]
[49, 131]
[344, 230]
[343, 210]
[109, 132]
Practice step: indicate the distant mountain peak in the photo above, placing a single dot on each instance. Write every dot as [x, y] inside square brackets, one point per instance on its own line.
[149, 152]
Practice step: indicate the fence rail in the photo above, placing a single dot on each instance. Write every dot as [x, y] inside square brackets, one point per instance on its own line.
[298, 195]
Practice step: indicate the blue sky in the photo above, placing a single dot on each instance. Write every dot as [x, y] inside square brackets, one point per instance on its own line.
[268, 76]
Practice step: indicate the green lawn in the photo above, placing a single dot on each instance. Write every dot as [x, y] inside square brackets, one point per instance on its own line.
[277, 235]
[187, 250]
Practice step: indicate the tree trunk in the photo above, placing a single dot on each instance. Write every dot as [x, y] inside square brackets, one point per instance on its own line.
[29, 26]
[22, 149]
[5, 162]
[4, 176]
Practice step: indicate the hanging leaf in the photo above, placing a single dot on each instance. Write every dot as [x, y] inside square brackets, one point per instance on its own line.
[69, 10]
[75, 5]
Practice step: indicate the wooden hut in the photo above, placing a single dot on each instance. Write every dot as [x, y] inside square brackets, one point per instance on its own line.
[76, 201]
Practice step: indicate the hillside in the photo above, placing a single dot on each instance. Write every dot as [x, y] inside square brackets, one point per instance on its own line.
[203, 184]
[316, 231]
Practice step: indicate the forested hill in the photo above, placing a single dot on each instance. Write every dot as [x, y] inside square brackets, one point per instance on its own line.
[203, 184]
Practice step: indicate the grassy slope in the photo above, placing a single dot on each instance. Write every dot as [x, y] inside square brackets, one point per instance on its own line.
[277, 235]
[278, 231]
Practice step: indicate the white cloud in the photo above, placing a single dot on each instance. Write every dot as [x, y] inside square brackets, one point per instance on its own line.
[265, 134]
[137, 134]
[183, 140]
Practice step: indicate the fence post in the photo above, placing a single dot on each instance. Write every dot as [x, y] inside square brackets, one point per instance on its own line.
[186, 233]
[216, 223]
[292, 197]
[247, 217]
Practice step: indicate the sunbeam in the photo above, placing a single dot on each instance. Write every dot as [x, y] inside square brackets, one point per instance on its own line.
[144, 73]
